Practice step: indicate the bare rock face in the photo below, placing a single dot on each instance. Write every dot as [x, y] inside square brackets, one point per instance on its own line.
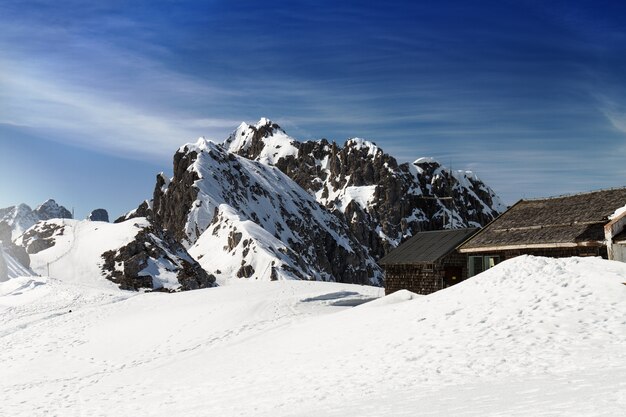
[41, 237]
[51, 210]
[98, 215]
[151, 257]
[144, 210]
[248, 220]
[382, 202]
[21, 217]
[173, 200]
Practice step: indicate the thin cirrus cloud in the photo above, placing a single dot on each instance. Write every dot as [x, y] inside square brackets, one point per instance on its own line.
[511, 91]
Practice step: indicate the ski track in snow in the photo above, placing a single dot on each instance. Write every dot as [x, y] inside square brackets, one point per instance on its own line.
[532, 336]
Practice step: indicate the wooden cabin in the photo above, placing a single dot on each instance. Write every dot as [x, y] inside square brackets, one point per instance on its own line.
[583, 224]
[427, 262]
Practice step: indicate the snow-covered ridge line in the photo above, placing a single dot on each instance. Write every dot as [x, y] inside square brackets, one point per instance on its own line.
[382, 201]
[247, 219]
[21, 217]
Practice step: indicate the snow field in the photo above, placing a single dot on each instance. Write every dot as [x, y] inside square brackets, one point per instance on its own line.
[532, 336]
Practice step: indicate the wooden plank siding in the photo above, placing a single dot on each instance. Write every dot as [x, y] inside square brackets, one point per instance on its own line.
[600, 251]
[423, 278]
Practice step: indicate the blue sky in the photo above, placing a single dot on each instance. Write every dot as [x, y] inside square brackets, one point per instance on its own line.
[95, 98]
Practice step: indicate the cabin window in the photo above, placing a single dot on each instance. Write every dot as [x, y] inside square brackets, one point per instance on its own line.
[478, 264]
[429, 267]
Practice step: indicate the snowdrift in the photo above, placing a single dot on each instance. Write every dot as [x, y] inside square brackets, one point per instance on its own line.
[532, 336]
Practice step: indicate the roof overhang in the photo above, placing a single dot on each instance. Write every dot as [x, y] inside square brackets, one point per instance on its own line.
[534, 246]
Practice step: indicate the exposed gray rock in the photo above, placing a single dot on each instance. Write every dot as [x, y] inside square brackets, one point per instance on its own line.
[51, 210]
[21, 217]
[132, 266]
[406, 198]
[305, 241]
[98, 215]
[41, 237]
[144, 210]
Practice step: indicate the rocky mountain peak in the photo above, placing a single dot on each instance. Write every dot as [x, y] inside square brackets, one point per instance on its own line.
[383, 202]
[98, 215]
[21, 217]
[51, 210]
[265, 141]
[246, 219]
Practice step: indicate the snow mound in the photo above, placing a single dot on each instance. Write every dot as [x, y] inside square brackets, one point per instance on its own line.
[532, 336]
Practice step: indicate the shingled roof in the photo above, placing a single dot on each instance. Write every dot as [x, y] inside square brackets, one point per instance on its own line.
[550, 222]
[427, 247]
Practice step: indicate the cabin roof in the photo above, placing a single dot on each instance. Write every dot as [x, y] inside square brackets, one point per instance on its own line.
[427, 247]
[565, 220]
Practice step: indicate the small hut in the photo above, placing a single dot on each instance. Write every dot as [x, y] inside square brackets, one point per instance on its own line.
[585, 224]
[427, 262]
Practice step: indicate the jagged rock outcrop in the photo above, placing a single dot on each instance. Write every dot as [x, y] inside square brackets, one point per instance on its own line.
[41, 237]
[51, 210]
[144, 210]
[98, 215]
[154, 253]
[383, 202]
[21, 217]
[246, 219]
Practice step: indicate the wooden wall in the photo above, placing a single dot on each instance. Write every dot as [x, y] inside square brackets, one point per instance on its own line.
[420, 278]
[549, 252]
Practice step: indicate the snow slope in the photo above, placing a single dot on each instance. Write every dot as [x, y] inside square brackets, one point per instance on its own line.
[532, 336]
[76, 256]
[136, 256]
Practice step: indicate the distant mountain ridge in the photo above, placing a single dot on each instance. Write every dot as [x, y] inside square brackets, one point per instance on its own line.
[229, 205]
[262, 205]
[21, 217]
[382, 201]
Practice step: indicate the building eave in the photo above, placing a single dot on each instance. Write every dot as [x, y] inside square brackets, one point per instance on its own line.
[533, 246]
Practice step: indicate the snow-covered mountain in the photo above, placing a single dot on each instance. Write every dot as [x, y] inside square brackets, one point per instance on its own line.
[247, 219]
[381, 201]
[132, 254]
[263, 205]
[21, 217]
